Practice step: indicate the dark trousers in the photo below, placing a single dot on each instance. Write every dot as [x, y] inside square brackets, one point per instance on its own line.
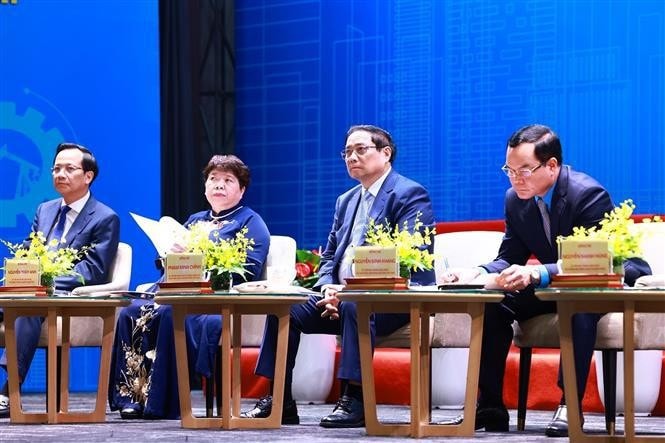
[306, 318]
[498, 335]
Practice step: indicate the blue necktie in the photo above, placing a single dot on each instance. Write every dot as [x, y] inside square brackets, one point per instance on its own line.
[59, 229]
[357, 233]
[360, 222]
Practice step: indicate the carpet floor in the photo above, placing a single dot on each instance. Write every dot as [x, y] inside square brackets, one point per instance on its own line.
[117, 430]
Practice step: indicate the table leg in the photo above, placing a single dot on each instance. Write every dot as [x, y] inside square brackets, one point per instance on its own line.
[425, 357]
[274, 420]
[16, 414]
[187, 418]
[419, 369]
[467, 427]
[108, 328]
[477, 313]
[236, 376]
[51, 372]
[372, 424]
[226, 370]
[565, 311]
[629, 369]
[63, 383]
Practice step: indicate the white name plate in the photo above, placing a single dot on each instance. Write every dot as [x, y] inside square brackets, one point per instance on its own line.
[22, 272]
[183, 268]
[580, 256]
[375, 262]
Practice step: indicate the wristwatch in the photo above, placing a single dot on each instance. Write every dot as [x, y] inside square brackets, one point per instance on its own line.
[535, 276]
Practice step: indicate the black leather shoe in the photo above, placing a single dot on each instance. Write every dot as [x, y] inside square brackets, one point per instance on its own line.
[263, 408]
[491, 419]
[132, 411]
[558, 427]
[4, 406]
[348, 413]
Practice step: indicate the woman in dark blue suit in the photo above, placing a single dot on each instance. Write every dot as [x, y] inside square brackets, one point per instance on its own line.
[143, 380]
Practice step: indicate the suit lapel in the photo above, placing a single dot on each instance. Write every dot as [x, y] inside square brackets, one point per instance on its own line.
[81, 221]
[349, 216]
[378, 210]
[559, 202]
[50, 214]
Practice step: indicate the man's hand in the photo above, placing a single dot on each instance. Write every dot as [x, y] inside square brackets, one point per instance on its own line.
[330, 301]
[177, 248]
[514, 278]
[460, 275]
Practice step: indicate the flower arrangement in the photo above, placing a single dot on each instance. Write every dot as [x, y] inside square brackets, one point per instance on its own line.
[53, 261]
[617, 228]
[411, 245]
[221, 256]
[307, 267]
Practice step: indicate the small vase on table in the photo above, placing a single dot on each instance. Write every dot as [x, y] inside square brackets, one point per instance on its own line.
[222, 281]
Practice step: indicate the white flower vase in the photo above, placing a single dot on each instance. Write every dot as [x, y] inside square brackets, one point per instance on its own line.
[313, 373]
[647, 380]
[449, 392]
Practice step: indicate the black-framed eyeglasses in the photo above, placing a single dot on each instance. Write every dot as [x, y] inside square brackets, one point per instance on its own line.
[67, 169]
[522, 173]
[359, 150]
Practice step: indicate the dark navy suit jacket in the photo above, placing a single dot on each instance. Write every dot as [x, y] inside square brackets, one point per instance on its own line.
[577, 200]
[96, 225]
[398, 201]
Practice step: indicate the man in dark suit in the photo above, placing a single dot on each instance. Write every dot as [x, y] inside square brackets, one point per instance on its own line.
[382, 195]
[76, 220]
[547, 199]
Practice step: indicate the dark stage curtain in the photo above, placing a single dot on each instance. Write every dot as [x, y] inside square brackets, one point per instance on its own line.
[182, 160]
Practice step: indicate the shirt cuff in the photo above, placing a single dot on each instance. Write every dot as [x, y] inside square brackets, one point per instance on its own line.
[544, 277]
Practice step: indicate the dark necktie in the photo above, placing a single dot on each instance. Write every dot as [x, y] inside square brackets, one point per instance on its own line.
[59, 229]
[542, 206]
[357, 234]
[360, 222]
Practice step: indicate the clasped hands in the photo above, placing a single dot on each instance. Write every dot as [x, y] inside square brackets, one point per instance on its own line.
[513, 278]
[329, 301]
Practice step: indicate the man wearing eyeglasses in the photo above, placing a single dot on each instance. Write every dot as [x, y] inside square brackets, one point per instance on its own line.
[76, 219]
[546, 199]
[382, 195]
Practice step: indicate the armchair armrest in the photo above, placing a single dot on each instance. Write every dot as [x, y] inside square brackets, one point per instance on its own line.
[657, 280]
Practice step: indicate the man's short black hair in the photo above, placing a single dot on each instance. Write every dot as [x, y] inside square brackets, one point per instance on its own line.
[89, 162]
[547, 143]
[380, 137]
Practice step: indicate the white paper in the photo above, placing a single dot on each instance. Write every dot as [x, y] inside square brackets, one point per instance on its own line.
[163, 233]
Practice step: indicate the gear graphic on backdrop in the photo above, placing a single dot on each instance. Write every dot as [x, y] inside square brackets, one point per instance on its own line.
[33, 181]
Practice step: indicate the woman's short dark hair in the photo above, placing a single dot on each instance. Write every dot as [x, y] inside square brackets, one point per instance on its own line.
[547, 143]
[231, 164]
[380, 137]
[89, 163]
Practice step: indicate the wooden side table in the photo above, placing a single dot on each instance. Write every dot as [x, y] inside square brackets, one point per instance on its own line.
[231, 306]
[52, 308]
[420, 305]
[628, 301]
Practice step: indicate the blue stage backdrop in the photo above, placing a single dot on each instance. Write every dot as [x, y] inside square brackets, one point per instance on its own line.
[85, 72]
[451, 80]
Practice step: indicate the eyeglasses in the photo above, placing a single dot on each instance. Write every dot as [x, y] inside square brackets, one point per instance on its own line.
[68, 169]
[522, 173]
[359, 150]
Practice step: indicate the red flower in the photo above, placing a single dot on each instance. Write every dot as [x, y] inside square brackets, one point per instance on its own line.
[303, 270]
